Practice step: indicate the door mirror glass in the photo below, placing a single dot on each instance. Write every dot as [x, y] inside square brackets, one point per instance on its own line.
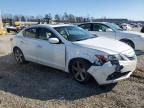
[53, 40]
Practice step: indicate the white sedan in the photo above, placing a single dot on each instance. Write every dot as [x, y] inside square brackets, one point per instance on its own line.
[110, 30]
[72, 49]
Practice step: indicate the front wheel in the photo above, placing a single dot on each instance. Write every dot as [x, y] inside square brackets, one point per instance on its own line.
[79, 70]
[19, 57]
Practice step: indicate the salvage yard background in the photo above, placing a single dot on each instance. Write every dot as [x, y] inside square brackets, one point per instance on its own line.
[36, 86]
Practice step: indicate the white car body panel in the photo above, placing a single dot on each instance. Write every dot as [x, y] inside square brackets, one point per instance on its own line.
[109, 34]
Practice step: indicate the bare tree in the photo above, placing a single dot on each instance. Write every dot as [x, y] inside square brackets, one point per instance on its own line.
[71, 18]
[65, 17]
[23, 18]
[47, 18]
[16, 18]
[57, 18]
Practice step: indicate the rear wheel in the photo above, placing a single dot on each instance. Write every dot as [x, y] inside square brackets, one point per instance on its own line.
[79, 70]
[19, 57]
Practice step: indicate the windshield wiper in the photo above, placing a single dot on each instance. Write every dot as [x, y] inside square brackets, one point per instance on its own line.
[84, 38]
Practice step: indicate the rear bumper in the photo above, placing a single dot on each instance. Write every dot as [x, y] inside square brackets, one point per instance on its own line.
[107, 73]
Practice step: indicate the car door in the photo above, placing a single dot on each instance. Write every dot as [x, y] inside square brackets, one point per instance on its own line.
[29, 44]
[102, 30]
[50, 54]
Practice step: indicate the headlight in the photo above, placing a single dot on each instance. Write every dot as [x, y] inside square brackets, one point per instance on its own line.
[115, 57]
[101, 59]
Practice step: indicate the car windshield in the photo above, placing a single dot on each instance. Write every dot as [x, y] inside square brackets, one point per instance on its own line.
[114, 26]
[73, 33]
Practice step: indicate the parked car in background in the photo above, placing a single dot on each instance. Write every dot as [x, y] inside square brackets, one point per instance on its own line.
[125, 26]
[142, 30]
[11, 28]
[15, 29]
[74, 50]
[111, 30]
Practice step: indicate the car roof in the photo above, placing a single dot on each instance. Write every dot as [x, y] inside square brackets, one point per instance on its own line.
[94, 23]
[60, 25]
[50, 25]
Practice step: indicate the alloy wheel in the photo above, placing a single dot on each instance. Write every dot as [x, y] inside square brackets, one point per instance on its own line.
[18, 56]
[79, 71]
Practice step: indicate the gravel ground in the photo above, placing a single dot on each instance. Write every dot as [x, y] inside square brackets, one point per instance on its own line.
[36, 86]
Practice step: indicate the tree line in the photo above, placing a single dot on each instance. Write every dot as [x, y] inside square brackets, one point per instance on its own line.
[65, 17]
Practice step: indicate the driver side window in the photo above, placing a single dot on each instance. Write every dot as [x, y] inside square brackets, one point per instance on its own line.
[45, 34]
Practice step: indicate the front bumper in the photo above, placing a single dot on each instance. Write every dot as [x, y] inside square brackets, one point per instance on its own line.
[107, 73]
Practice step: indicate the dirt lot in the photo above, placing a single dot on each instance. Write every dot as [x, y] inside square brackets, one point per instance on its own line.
[36, 86]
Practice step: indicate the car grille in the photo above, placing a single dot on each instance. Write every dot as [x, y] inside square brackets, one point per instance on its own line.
[116, 75]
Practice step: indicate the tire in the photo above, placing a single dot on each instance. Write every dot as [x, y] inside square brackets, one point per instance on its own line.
[19, 57]
[130, 43]
[142, 30]
[79, 68]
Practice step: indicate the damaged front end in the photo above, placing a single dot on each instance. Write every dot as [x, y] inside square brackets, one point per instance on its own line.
[112, 68]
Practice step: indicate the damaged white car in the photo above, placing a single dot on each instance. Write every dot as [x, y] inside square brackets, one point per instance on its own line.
[72, 49]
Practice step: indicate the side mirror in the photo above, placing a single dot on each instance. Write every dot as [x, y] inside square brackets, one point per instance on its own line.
[53, 40]
[109, 30]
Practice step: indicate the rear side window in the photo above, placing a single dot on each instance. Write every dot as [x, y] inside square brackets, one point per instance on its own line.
[31, 33]
[86, 26]
[97, 27]
[100, 27]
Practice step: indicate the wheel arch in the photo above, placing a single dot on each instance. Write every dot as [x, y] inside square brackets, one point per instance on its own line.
[126, 39]
[74, 59]
[16, 47]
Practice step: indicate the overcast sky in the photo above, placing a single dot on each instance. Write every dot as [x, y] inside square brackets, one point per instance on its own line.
[131, 9]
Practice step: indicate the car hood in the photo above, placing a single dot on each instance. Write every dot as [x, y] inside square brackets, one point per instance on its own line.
[134, 33]
[104, 44]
